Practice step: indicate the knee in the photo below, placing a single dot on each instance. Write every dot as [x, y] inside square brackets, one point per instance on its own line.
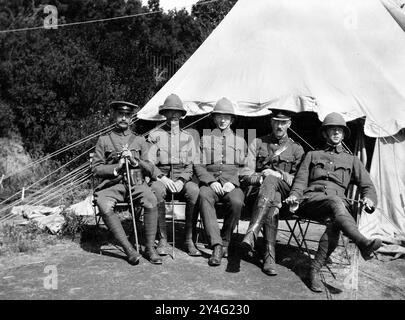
[335, 203]
[159, 190]
[149, 199]
[270, 181]
[205, 193]
[105, 206]
[236, 200]
[192, 190]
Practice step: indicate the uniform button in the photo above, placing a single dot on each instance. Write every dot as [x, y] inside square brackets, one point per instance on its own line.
[220, 172]
[330, 162]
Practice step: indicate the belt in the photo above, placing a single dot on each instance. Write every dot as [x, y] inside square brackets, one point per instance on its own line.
[328, 189]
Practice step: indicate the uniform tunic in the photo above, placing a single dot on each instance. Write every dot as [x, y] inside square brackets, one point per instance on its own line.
[322, 182]
[281, 155]
[222, 159]
[174, 149]
[113, 188]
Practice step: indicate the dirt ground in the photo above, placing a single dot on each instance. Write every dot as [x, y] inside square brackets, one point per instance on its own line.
[94, 269]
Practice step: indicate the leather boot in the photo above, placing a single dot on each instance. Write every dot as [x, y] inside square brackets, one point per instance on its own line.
[260, 210]
[349, 227]
[163, 248]
[270, 235]
[114, 225]
[216, 257]
[150, 221]
[315, 283]
[191, 223]
[367, 250]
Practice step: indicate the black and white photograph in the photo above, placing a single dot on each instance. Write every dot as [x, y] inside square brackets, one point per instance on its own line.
[201, 158]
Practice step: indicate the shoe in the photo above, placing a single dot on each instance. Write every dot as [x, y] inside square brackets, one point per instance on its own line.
[163, 248]
[191, 249]
[225, 252]
[367, 251]
[315, 283]
[215, 259]
[152, 256]
[133, 257]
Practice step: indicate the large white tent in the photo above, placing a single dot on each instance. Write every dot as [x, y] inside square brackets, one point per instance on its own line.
[302, 55]
[325, 56]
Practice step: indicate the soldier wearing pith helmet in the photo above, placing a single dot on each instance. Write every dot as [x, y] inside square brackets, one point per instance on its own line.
[223, 156]
[319, 191]
[108, 164]
[173, 152]
[273, 161]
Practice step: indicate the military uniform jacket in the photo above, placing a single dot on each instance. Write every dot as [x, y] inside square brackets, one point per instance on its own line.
[170, 149]
[222, 157]
[283, 155]
[106, 156]
[330, 171]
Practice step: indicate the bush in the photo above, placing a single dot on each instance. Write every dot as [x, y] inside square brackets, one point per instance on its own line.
[73, 226]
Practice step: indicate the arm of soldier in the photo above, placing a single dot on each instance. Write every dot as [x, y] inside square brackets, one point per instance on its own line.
[144, 161]
[99, 166]
[201, 172]
[302, 177]
[298, 157]
[189, 159]
[362, 178]
[248, 173]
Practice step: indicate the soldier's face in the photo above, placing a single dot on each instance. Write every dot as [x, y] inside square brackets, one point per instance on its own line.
[123, 119]
[172, 115]
[334, 135]
[280, 127]
[223, 121]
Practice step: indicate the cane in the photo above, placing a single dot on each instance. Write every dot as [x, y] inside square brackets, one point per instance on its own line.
[173, 223]
[132, 205]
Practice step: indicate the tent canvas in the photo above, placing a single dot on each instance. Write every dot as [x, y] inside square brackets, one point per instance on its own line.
[300, 55]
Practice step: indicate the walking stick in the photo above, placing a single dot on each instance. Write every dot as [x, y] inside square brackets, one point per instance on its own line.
[173, 223]
[132, 205]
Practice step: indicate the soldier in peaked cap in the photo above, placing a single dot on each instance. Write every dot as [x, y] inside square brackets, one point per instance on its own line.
[321, 183]
[273, 161]
[223, 155]
[109, 164]
[173, 152]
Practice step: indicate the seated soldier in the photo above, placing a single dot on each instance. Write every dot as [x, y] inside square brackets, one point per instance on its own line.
[272, 163]
[223, 155]
[111, 152]
[173, 151]
[319, 190]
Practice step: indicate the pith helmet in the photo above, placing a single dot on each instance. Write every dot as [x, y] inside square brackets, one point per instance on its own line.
[173, 102]
[224, 106]
[123, 106]
[334, 119]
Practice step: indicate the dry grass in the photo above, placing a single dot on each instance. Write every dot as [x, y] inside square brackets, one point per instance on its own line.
[28, 238]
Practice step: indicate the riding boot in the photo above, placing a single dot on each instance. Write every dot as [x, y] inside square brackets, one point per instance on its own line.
[114, 225]
[260, 210]
[270, 236]
[191, 222]
[325, 248]
[348, 225]
[163, 248]
[150, 221]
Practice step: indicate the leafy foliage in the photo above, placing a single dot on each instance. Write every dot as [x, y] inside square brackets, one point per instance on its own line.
[55, 85]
